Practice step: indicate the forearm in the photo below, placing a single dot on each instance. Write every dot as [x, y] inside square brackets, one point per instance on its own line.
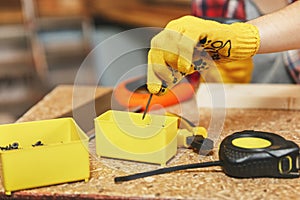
[280, 30]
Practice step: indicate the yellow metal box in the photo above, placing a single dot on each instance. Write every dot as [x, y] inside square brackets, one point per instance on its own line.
[49, 152]
[124, 135]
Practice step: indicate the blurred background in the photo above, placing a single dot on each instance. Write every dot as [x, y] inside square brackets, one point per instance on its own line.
[44, 42]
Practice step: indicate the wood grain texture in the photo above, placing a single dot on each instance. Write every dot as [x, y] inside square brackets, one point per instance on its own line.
[210, 183]
[265, 96]
[139, 12]
[83, 103]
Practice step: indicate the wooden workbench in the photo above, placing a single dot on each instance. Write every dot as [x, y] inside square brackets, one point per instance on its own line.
[210, 183]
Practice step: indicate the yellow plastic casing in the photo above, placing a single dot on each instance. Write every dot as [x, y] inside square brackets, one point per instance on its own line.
[63, 157]
[125, 135]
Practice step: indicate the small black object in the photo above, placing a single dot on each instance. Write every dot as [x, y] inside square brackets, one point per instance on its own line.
[4, 148]
[201, 145]
[38, 143]
[12, 146]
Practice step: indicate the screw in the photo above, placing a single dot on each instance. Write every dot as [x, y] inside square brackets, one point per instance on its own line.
[38, 143]
[14, 145]
[4, 148]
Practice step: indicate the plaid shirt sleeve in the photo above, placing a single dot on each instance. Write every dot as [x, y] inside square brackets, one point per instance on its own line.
[291, 60]
[232, 9]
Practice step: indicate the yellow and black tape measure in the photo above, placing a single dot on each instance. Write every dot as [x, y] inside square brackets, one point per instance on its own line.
[250, 154]
[246, 154]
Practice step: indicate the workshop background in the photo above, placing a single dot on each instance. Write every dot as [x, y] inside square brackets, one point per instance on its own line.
[44, 42]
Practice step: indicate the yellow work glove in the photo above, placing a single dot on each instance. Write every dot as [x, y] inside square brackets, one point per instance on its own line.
[239, 71]
[180, 49]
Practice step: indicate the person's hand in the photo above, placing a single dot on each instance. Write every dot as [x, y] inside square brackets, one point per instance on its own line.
[180, 49]
[239, 71]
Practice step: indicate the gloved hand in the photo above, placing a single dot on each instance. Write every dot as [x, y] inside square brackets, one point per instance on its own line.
[180, 49]
[239, 71]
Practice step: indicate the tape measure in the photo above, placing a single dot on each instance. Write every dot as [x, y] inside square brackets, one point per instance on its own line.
[246, 154]
[250, 154]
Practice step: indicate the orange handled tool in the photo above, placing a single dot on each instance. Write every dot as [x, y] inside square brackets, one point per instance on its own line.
[133, 93]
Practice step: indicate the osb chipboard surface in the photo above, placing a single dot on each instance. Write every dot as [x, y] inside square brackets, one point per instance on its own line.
[209, 183]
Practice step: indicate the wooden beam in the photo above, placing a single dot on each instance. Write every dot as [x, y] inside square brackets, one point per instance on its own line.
[83, 103]
[264, 96]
